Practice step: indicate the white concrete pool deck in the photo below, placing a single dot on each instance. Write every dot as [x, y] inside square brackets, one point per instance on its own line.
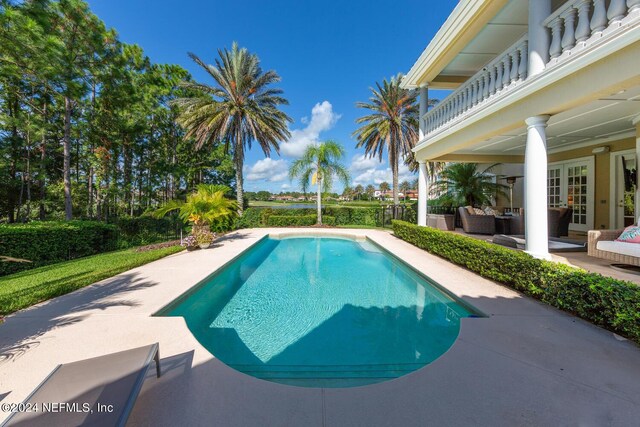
[525, 365]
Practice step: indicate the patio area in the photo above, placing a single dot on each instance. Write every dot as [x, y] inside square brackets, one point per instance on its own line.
[524, 364]
[575, 259]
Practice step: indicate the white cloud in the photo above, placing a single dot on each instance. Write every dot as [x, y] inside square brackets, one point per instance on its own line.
[322, 119]
[285, 186]
[268, 170]
[367, 173]
[362, 162]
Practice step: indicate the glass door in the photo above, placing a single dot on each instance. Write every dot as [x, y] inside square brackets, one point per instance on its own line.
[577, 190]
[623, 200]
[555, 193]
[571, 184]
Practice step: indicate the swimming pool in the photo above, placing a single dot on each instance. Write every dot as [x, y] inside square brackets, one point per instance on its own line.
[321, 312]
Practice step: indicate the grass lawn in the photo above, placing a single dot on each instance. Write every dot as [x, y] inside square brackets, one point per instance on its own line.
[21, 290]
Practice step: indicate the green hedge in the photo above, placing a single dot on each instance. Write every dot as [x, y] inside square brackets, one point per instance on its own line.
[607, 302]
[49, 242]
[297, 220]
[259, 217]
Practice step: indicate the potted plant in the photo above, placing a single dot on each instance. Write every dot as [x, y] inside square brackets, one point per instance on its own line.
[204, 238]
[190, 242]
[206, 206]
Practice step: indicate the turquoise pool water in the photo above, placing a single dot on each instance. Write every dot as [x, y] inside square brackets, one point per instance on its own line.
[321, 312]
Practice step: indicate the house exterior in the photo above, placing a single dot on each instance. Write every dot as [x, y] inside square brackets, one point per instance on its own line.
[549, 88]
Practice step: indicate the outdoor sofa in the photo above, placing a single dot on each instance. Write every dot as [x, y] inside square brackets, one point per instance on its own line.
[602, 244]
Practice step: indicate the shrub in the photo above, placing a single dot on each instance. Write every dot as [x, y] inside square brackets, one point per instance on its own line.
[297, 220]
[45, 243]
[607, 302]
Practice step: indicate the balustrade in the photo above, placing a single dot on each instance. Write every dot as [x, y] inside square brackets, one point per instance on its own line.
[572, 26]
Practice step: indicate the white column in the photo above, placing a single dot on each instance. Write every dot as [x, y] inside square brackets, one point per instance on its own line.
[423, 185]
[636, 122]
[424, 103]
[535, 188]
[539, 40]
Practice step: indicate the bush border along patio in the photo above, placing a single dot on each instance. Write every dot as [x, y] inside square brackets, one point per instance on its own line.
[27, 288]
[610, 303]
[45, 243]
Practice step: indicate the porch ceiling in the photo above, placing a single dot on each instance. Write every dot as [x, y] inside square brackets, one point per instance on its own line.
[606, 119]
[499, 33]
[502, 31]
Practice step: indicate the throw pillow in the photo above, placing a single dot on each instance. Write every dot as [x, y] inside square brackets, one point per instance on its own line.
[631, 234]
[470, 210]
[478, 211]
[490, 211]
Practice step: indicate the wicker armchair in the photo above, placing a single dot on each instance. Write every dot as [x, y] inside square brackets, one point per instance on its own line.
[559, 220]
[477, 224]
[596, 236]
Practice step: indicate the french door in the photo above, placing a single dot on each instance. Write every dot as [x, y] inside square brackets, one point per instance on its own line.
[623, 188]
[571, 184]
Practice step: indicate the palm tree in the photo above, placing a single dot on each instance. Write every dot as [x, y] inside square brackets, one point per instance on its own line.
[384, 187]
[370, 191]
[319, 164]
[358, 191]
[464, 184]
[240, 108]
[392, 124]
[404, 187]
[204, 207]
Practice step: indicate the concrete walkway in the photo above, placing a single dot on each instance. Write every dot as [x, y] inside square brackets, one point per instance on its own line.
[526, 364]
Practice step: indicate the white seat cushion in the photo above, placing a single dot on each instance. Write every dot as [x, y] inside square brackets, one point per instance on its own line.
[622, 248]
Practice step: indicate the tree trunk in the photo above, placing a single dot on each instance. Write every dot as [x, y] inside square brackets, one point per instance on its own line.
[239, 160]
[394, 170]
[43, 166]
[68, 213]
[90, 191]
[319, 201]
[127, 166]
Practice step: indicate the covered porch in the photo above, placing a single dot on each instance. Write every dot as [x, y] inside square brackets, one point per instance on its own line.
[550, 87]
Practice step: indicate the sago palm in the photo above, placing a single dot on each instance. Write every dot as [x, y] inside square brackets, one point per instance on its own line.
[206, 206]
[242, 107]
[392, 124]
[320, 164]
[466, 184]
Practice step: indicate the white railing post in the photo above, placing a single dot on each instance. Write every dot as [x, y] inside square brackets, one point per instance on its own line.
[522, 70]
[568, 21]
[599, 17]
[499, 68]
[582, 30]
[617, 11]
[515, 58]
[555, 49]
[506, 64]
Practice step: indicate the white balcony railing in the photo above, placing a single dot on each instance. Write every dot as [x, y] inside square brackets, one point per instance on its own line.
[576, 25]
[499, 76]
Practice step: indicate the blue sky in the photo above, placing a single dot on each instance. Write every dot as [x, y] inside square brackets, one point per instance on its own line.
[328, 54]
